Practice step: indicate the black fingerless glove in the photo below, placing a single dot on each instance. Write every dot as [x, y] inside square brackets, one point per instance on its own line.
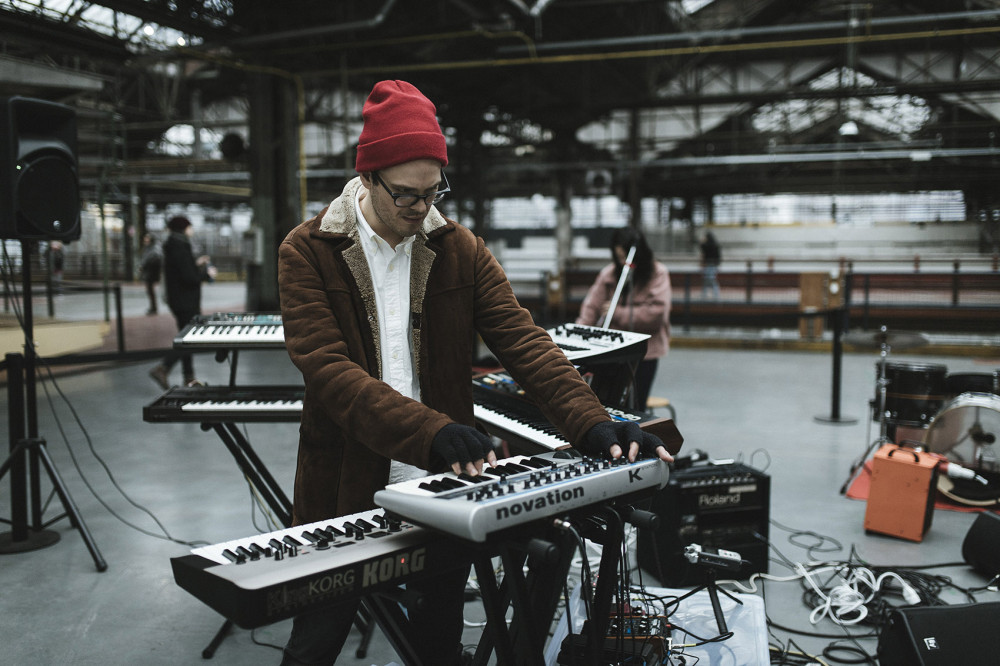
[457, 443]
[600, 438]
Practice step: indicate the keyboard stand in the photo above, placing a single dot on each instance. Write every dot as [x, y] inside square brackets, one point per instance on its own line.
[254, 469]
[533, 598]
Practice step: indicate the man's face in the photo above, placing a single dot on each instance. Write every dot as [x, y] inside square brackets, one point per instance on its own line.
[389, 221]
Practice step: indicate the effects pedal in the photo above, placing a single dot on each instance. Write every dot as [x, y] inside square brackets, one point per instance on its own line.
[638, 638]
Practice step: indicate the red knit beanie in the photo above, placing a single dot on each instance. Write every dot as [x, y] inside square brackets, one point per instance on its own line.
[400, 126]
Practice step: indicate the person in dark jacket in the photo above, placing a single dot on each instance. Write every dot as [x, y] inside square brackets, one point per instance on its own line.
[382, 298]
[150, 269]
[711, 257]
[182, 278]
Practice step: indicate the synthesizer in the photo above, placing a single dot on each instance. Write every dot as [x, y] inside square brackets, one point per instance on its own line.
[594, 344]
[501, 405]
[519, 490]
[224, 404]
[270, 577]
[233, 330]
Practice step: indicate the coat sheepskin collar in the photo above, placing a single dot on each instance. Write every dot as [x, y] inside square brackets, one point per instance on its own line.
[340, 217]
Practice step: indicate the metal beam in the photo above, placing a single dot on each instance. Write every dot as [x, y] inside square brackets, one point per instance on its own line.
[23, 73]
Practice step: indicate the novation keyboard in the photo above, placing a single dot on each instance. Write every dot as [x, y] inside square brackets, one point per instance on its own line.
[594, 344]
[233, 330]
[504, 409]
[270, 577]
[519, 490]
[225, 404]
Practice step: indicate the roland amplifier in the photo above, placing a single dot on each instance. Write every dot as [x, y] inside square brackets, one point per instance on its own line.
[717, 506]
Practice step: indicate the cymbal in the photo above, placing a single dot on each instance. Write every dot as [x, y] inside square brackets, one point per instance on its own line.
[893, 340]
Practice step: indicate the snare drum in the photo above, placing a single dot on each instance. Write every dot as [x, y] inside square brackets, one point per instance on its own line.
[914, 392]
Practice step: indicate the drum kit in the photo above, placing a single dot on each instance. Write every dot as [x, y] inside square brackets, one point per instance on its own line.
[956, 415]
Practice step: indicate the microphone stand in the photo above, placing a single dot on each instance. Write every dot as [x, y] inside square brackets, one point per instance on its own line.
[622, 281]
[624, 396]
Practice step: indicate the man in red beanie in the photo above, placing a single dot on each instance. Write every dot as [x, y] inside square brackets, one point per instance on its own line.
[382, 298]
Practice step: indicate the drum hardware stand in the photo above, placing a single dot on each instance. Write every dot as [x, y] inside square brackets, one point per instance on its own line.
[23, 409]
[883, 438]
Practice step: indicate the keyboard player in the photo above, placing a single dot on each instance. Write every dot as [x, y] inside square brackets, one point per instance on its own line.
[382, 298]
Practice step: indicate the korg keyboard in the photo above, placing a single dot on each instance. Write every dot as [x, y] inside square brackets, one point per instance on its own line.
[221, 404]
[233, 330]
[270, 577]
[519, 490]
[594, 344]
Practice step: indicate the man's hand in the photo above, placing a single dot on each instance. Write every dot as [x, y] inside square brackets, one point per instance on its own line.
[608, 438]
[464, 448]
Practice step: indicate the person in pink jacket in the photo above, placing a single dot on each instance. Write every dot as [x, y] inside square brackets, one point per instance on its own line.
[643, 307]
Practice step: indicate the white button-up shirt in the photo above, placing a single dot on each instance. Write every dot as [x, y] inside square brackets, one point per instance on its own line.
[390, 270]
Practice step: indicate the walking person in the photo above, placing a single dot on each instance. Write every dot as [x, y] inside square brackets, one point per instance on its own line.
[150, 268]
[711, 257]
[183, 275]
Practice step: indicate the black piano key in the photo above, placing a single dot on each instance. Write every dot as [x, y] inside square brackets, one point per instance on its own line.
[277, 545]
[292, 541]
[261, 552]
[364, 525]
[475, 479]
[311, 537]
[442, 484]
[230, 555]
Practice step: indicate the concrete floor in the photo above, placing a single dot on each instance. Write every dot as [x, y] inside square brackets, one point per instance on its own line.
[134, 482]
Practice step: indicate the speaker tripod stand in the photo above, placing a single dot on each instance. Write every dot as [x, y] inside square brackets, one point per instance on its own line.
[28, 451]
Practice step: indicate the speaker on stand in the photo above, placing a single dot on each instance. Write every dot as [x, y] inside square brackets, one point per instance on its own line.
[40, 201]
[38, 173]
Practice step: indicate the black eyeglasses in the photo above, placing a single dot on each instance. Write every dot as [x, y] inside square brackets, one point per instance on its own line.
[407, 200]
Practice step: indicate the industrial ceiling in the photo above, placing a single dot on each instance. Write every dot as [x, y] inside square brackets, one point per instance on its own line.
[671, 98]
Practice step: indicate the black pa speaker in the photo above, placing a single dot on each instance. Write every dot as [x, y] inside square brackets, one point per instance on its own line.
[941, 635]
[981, 547]
[39, 186]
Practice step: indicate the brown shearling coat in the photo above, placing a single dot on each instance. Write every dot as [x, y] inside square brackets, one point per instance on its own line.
[353, 424]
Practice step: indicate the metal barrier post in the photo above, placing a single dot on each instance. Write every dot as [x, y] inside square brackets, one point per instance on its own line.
[954, 282]
[120, 322]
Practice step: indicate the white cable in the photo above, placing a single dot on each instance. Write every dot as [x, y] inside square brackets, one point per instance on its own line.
[842, 601]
